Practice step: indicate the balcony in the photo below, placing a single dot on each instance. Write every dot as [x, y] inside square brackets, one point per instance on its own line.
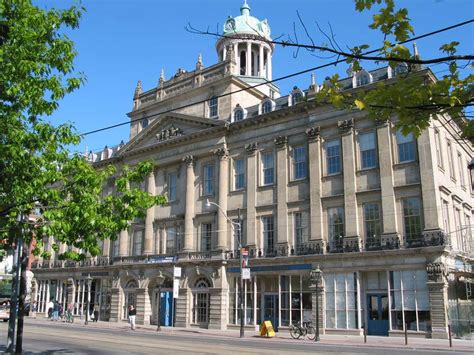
[342, 244]
[428, 239]
[310, 248]
[383, 242]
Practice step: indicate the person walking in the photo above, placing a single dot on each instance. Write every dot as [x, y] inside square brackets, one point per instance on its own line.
[96, 313]
[132, 312]
[56, 311]
[49, 309]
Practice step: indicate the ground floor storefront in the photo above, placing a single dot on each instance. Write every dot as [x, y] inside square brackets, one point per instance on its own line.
[384, 293]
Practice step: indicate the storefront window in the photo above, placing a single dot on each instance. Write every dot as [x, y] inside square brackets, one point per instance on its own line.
[341, 301]
[409, 300]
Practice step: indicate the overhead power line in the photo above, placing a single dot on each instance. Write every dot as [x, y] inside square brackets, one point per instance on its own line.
[274, 80]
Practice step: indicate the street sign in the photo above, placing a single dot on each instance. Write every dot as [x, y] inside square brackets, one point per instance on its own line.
[246, 273]
[175, 288]
[177, 272]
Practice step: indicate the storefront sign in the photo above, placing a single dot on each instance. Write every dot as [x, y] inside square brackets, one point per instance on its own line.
[266, 329]
[161, 259]
[246, 273]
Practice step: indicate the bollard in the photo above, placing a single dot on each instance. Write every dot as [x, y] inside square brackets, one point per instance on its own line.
[450, 337]
[406, 334]
[365, 334]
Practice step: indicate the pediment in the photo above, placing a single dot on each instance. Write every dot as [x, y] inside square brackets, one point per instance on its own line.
[168, 128]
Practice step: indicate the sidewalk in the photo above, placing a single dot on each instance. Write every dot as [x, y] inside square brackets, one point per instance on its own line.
[346, 340]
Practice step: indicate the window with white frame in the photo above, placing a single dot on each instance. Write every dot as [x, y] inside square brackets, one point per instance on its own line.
[208, 179]
[451, 161]
[296, 305]
[341, 300]
[299, 163]
[171, 240]
[412, 219]
[373, 227]
[406, 147]
[266, 106]
[362, 78]
[461, 171]
[172, 186]
[368, 153]
[206, 236]
[213, 107]
[439, 155]
[268, 175]
[445, 213]
[268, 231]
[238, 115]
[336, 226]
[239, 174]
[409, 300]
[301, 229]
[333, 156]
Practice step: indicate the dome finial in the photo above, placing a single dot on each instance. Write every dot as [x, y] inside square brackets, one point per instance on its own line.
[245, 9]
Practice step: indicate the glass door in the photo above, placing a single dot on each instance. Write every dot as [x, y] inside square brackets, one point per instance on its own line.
[377, 309]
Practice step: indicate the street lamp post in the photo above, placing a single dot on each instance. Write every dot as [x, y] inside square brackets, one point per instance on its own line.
[160, 279]
[239, 240]
[89, 284]
[316, 277]
[471, 173]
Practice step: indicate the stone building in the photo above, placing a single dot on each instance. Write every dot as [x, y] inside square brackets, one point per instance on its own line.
[387, 217]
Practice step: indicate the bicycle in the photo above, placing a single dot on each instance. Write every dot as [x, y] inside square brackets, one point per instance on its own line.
[298, 330]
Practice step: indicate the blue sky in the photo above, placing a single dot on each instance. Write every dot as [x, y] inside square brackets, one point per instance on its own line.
[121, 41]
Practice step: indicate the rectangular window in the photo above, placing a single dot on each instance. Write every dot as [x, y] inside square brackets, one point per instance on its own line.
[445, 213]
[299, 163]
[406, 147]
[268, 234]
[206, 236]
[301, 229]
[208, 179]
[239, 174]
[333, 157]
[341, 300]
[412, 219]
[459, 230]
[461, 171]
[336, 227]
[439, 156]
[451, 161]
[373, 228]
[172, 186]
[170, 240]
[410, 300]
[213, 107]
[368, 154]
[268, 168]
[137, 242]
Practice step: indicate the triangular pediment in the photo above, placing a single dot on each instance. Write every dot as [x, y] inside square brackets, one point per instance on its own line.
[167, 128]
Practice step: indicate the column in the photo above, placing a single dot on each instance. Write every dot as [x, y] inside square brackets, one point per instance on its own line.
[390, 215]
[237, 56]
[248, 57]
[282, 190]
[316, 211]
[115, 310]
[351, 220]
[183, 310]
[223, 155]
[260, 61]
[269, 65]
[150, 216]
[189, 211]
[251, 196]
[106, 248]
[123, 243]
[224, 52]
[438, 298]
[143, 306]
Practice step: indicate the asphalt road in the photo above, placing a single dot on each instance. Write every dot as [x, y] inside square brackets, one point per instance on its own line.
[59, 338]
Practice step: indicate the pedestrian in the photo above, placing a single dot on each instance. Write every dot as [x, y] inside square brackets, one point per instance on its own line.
[96, 313]
[49, 309]
[56, 311]
[34, 309]
[132, 312]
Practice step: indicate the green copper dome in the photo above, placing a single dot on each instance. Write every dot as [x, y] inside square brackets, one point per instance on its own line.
[246, 24]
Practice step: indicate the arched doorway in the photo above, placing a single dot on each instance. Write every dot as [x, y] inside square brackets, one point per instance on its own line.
[201, 302]
[167, 304]
[130, 296]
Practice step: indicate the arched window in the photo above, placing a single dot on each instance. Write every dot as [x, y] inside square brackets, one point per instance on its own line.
[202, 283]
[266, 106]
[201, 301]
[238, 115]
[362, 78]
[130, 294]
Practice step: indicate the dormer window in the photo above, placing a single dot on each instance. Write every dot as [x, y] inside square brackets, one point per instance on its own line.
[213, 107]
[362, 78]
[296, 96]
[267, 106]
[401, 68]
[239, 113]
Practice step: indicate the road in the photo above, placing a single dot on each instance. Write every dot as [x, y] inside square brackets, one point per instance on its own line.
[57, 338]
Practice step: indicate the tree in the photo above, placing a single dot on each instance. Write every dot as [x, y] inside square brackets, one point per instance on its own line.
[37, 171]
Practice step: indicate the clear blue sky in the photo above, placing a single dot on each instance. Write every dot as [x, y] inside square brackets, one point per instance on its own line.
[121, 41]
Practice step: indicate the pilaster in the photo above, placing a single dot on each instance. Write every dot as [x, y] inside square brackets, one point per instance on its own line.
[281, 143]
[218, 310]
[248, 56]
[223, 155]
[150, 216]
[115, 310]
[143, 306]
[314, 152]
[251, 196]
[183, 309]
[189, 211]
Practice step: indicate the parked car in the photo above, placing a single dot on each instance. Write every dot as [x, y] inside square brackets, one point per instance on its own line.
[5, 312]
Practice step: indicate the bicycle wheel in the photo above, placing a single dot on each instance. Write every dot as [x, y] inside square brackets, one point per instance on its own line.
[295, 332]
[311, 332]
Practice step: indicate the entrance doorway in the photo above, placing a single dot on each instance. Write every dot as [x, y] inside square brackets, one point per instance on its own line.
[270, 309]
[377, 309]
[166, 314]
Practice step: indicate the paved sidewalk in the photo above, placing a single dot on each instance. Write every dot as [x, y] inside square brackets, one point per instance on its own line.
[347, 340]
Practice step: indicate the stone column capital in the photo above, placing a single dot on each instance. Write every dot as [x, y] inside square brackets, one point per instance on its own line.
[189, 160]
[251, 148]
[281, 142]
[347, 126]
[222, 153]
[313, 133]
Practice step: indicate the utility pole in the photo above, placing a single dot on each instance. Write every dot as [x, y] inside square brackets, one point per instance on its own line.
[242, 294]
[21, 300]
[15, 290]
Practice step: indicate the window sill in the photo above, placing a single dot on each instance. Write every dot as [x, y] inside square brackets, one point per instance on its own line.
[367, 170]
[171, 203]
[266, 187]
[236, 192]
[326, 177]
[404, 164]
[297, 182]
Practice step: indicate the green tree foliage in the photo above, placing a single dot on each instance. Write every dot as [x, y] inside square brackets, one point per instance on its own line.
[37, 171]
[414, 97]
